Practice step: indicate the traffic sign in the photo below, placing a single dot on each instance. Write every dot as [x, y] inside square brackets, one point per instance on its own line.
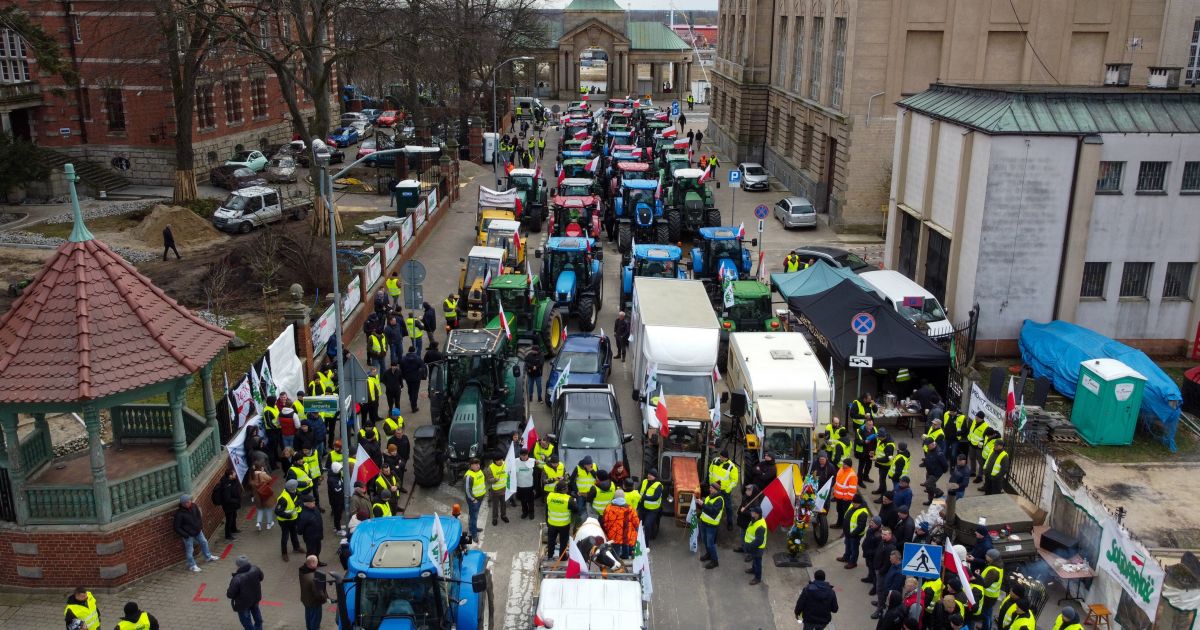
[860, 349]
[922, 561]
[862, 323]
[761, 210]
[760, 227]
[735, 176]
[414, 272]
[675, 108]
[861, 362]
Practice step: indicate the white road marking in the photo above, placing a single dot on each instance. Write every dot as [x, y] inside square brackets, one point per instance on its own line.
[519, 607]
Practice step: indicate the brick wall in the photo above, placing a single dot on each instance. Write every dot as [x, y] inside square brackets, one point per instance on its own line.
[61, 557]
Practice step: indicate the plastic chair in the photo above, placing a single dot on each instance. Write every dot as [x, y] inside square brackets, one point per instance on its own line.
[1097, 614]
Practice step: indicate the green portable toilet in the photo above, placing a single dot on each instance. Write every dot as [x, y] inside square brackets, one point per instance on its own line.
[407, 195]
[1107, 400]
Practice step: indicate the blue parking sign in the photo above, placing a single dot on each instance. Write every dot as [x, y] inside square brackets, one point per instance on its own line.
[735, 176]
[675, 108]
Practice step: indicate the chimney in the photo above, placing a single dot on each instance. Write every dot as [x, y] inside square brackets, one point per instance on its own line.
[1117, 74]
[1164, 77]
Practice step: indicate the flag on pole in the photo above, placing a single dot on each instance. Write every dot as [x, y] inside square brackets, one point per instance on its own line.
[437, 552]
[242, 398]
[716, 375]
[268, 379]
[528, 282]
[562, 174]
[581, 134]
[576, 563]
[706, 175]
[779, 499]
[823, 495]
[681, 144]
[364, 467]
[1010, 404]
[661, 413]
[641, 563]
[670, 133]
[487, 278]
[693, 521]
[728, 297]
[594, 164]
[510, 470]
[742, 230]
[530, 434]
[256, 388]
[951, 559]
[504, 321]
[563, 377]
[658, 189]
[651, 378]
[517, 207]
[586, 146]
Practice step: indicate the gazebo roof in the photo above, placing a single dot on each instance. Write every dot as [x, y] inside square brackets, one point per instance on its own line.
[91, 326]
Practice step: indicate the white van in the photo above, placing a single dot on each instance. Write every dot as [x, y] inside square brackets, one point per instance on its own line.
[896, 289]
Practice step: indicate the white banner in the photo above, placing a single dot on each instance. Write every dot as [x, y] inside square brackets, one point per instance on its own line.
[420, 213]
[352, 296]
[1127, 561]
[374, 266]
[406, 229]
[244, 401]
[994, 414]
[391, 248]
[433, 198]
[489, 198]
[286, 370]
[322, 329]
[237, 454]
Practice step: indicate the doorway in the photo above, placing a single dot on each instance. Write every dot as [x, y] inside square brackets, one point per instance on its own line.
[593, 71]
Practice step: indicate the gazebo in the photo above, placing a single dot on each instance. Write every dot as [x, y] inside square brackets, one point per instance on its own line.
[90, 334]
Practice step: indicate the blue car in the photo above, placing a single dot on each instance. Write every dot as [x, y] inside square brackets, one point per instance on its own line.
[344, 136]
[590, 356]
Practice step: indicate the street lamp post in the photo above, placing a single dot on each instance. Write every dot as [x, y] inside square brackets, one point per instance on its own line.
[495, 125]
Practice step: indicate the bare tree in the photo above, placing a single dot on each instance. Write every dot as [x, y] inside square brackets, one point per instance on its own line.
[191, 35]
[216, 285]
[267, 264]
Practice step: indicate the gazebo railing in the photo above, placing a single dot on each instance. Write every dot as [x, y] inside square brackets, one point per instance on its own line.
[159, 484]
[36, 449]
[61, 504]
[206, 447]
[141, 422]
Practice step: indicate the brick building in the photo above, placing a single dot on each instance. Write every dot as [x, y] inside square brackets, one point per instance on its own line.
[809, 87]
[123, 106]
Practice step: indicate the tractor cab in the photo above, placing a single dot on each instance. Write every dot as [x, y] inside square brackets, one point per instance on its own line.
[576, 168]
[751, 310]
[480, 264]
[650, 261]
[627, 153]
[720, 254]
[576, 216]
[506, 234]
[671, 162]
[617, 104]
[573, 272]
[623, 118]
[635, 171]
[486, 216]
[533, 321]
[689, 203]
[576, 187]
[617, 137]
[531, 194]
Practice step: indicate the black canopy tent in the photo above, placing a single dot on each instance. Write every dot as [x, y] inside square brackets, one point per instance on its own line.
[894, 343]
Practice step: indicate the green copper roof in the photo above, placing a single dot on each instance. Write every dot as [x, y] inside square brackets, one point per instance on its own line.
[1053, 110]
[653, 36]
[593, 5]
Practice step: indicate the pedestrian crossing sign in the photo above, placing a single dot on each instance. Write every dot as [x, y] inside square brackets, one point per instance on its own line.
[922, 561]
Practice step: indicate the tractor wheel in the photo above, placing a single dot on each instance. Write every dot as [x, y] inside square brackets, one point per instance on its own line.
[587, 313]
[662, 233]
[713, 218]
[625, 238]
[820, 528]
[536, 224]
[552, 329]
[427, 470]
[722, 354]
[674, 226]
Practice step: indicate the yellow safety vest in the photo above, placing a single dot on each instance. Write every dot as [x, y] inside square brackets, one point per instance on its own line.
[327, 381]
[303, 481]
[993, 590]
[541, 143]
[368, 432]
[603, 498]
[793, 263]
[499, 476]
[633, 498]
[413, 331]
[834, 433]
[935, 434]
[1025, 622]
[316, 387]
[996, 465]
[143, 623]
[298, 407]
[651, 504]
[978, 427]
[450, 308]
[553, 476]
[289, 507]
[88, 612]
[903, 376]
[385, 483]
[837, 451]
[271, 417]
[476, 484]
[752, 531]
[374, 388]
[860, 512]
[558, 509]
[988, 447]
[384, 509]
[882, 459]
[899, 465]
[709, 520]
[584, 480]
[312, 465]
[860, 413]
[725, 474]
[390, 424]
[336, 456]
[542, 454]
[958, 423]
[379, 344]
[393, 287]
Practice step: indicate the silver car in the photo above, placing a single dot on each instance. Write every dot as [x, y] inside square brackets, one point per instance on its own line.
[754, 176]
[281, 169]
[794, 212]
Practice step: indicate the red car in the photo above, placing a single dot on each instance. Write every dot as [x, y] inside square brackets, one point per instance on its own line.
[389, 118]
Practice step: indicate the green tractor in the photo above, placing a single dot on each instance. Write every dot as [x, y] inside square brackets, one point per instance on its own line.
[476, 401]
[533, 320]
[744, 306]
[689, 204]
[531, 191]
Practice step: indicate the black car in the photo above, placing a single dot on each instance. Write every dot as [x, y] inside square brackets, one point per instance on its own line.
[835, 256]
[587, 422]
[235, 177]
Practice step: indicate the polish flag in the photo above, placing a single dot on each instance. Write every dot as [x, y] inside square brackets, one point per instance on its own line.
[364, 467]
[537, 174]
[707, 175]
[581, 134]
[586, 146]
[670, 133]
[517, 241]
[950, 559]
[1010, 405]
[742, 230]
[646, 152]
[517, 208]
[716, 375]
[660, 412]
[658, 190]
[562, 174]
[779, 497]
[530, 434]
[576, 563]
[679, 144]
[594, 164]
[504, 322]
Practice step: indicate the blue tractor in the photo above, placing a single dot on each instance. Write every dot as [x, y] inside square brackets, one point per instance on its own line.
[574, 271]
[650, 261]
[401, 576]
[638, 213]
[720, 255]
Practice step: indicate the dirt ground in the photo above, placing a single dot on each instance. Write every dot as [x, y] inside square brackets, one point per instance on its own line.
[18, 263]
[1162, 509]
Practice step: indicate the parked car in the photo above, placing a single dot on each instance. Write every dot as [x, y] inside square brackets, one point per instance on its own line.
[344, 137]
[590, 357]
[911, 300]
[388, 118]
[587, 422]
[834, 256]
[371, 114]
[232, 177]
[377, 142]
[253, 160]
[754, 176]
[282, 169]
[795, 212]
[363, 127]
[350, 117]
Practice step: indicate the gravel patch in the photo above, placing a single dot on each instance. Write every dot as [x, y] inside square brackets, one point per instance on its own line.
[106, 210]
[18, 237]
[209, 317]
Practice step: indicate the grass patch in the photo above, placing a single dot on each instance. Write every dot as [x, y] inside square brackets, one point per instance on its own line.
[235, 362]
[204, 206]
[102, 224]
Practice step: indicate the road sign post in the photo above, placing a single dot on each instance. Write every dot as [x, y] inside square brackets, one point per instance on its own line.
[735, 179]
[921, 561]
[862, 324]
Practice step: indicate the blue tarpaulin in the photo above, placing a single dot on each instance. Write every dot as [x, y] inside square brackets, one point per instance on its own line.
[1055, 350]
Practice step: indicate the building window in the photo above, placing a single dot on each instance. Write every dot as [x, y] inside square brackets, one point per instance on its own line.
[1135, 279]
[14, 64]
[1193, 65]
[838, 70]
[1110, 177]
[233, 102]
[937, 264]
[1178, 283]
[798, 57]
[206, 111]
[780, 77]
[264, 34]
[114, 109]
[1152, 177]
[85, 103]
[910, 235]
[76, 29]
[258, 97]
[814, 68]
[1095, 275]
[1191, 178]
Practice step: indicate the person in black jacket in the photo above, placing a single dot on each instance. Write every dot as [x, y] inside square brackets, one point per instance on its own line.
[870, 543]
[904, 528]
[893, 614]
[189, 526]
[229, 491]
[428, 319]
[403, 453]
[392, 380]
[309, 526]
[935, 466]
[891, 584]
[245, 593]
[881, 561]
[413, 370]
[337, 494]
[817, 603]
[133, 616]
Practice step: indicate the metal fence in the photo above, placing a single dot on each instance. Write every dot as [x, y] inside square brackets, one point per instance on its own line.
[1027, 474]
[961, 346]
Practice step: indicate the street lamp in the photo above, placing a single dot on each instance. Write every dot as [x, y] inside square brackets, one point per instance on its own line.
[495, 126]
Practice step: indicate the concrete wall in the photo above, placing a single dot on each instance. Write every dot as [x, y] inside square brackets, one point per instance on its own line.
[970, 233]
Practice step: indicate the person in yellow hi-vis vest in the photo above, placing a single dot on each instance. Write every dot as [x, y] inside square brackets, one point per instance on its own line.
[81, 605]
[475, 485]
[394, 289]
[497, 476]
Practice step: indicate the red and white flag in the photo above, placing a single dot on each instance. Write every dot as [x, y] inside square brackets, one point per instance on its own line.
[1010, 405]
[742, 230]
[517, 207]
[576, 563]
[517, 241]
[779, 499]
[594, 164]
[562, 174]
[646, 151]
[530, 435]
[658, 190]
[364, 467]
[660, 412]
[581, 134]
[537, 173]
[670, 133]
[716, 375]
[504, 321]
[586, 146]
[950, 559]
[679, 144]
[706, 175]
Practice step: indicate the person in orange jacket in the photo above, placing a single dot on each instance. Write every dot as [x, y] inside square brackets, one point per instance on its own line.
[621, 525]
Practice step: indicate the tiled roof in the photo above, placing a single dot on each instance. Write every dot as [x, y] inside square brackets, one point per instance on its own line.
[1055, 110]
[91, 326]
[654, 36]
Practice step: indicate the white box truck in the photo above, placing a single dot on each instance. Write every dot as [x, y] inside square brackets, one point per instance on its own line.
[674, 333]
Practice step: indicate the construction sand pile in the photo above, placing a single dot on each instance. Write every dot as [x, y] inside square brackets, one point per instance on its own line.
[187, 226]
